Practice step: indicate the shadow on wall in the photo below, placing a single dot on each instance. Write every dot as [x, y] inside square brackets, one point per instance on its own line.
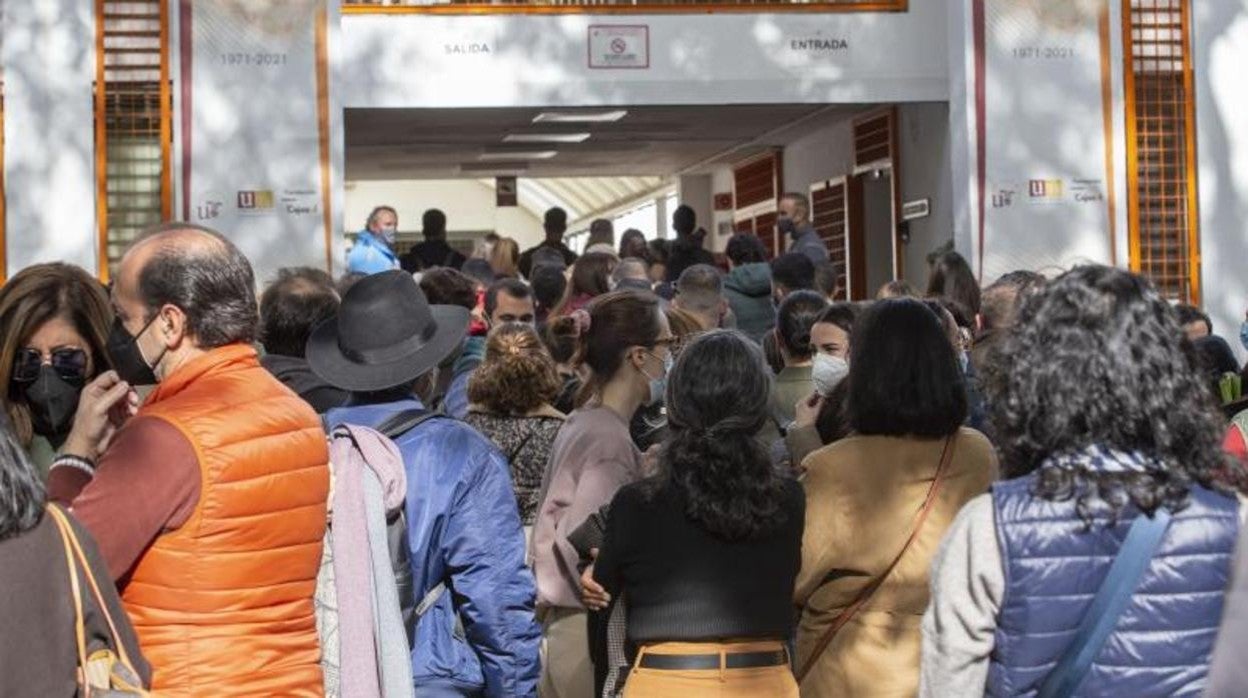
[254, 143]
[696, 58]
[1222, 138]
[49, 159]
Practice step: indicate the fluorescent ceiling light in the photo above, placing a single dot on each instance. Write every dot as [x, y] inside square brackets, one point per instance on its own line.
[546, 138]
[512, 155]
[561, 117]
[492, 167]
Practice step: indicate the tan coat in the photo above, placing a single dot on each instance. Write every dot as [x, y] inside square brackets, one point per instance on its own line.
[862, 496]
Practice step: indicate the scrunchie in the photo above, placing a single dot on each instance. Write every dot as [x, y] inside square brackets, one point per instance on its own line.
[583, 321]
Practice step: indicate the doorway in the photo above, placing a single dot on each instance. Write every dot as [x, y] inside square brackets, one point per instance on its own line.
[872, 233]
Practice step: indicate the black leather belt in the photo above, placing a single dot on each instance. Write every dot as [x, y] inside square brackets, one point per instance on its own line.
[697, 662]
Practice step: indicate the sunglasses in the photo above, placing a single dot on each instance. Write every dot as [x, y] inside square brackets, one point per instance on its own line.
[69, 363]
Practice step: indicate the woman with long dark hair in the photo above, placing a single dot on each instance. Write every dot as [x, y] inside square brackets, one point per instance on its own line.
[878, 502]
[952, 278]
[1102, 424]
[591, 277]
[39, 647]
[54, 323]
[633, 244]
[707, 550]
[624, 353]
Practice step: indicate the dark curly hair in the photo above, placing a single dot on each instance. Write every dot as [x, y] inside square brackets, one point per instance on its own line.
[517, 375]
[1096, 358]
[716, 402]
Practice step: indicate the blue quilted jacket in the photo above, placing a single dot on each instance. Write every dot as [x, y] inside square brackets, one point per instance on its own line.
[1053, 567]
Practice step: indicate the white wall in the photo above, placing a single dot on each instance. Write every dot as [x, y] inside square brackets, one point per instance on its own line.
[468, 204]
[48, 57]
[1221, 51]
[535, 60]
[819, 156]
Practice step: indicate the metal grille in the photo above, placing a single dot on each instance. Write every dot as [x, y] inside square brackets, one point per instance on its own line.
[873, 139]
[638, 5]
[829, 214]
[1161, 147]
[755, 182]
[132, 122]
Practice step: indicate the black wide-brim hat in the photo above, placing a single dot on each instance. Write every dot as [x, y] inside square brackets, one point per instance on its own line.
[385, 335]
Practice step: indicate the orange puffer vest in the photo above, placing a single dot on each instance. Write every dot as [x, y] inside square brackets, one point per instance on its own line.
[223, 605]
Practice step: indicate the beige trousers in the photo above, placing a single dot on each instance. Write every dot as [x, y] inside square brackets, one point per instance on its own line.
[566, 669]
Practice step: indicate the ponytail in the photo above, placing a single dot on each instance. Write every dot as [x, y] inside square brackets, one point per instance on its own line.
[594, 339]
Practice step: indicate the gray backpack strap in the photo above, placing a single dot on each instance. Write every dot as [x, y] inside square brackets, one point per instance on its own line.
[403, 422]
[430, 599]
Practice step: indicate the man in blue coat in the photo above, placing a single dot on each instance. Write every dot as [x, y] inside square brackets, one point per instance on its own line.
[373, 251]
[479, 638]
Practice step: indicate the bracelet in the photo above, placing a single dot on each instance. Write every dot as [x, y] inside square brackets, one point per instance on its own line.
[86, 465]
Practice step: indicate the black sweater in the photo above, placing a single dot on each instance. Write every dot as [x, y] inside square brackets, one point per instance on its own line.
[684, 584]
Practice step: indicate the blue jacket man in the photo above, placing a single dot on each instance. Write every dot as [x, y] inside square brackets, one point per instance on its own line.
[373, 251]
[371, 255]
[480, 638]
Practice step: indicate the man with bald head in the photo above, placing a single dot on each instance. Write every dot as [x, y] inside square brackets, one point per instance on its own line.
[208, 501]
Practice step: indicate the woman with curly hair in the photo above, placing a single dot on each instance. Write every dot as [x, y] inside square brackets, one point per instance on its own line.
[1102, 424]
[707, 550]
[510, 397]
[878, 502]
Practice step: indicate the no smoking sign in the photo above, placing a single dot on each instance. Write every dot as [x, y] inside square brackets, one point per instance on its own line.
[619, 46]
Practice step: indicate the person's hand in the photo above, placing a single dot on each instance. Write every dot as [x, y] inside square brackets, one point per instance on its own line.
[593, 595]
[650, 461]
[105, 405]
[806, 412]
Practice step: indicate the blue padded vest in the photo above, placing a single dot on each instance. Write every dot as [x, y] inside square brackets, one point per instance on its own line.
[1054, 566]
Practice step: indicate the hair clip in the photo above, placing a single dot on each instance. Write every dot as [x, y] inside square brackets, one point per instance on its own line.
[583, 321]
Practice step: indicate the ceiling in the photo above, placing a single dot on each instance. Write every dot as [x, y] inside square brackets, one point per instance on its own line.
[388, 144]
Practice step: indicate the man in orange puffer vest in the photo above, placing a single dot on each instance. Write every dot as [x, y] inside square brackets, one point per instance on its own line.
[208, 503]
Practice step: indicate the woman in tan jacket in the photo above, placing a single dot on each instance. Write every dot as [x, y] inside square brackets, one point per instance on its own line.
[871, 531]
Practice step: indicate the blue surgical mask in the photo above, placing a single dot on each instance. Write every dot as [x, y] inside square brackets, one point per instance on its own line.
[658, 386]
[964, 360]
[1243, 334]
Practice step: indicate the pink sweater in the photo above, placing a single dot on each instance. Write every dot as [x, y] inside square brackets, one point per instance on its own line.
[592, 457]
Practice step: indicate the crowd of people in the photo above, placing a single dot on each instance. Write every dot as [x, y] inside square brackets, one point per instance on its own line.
[644, 470]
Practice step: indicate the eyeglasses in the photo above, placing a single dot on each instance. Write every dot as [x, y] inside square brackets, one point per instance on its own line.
[68, 362]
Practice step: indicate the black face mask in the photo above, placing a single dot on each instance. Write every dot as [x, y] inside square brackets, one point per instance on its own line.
[53, 402]
[128, 361]
[786, 226]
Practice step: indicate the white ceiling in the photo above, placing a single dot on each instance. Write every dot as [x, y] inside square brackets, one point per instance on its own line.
[388, 144]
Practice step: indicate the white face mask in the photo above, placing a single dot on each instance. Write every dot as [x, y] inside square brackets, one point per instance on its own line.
[827, 372]
[388, 235]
